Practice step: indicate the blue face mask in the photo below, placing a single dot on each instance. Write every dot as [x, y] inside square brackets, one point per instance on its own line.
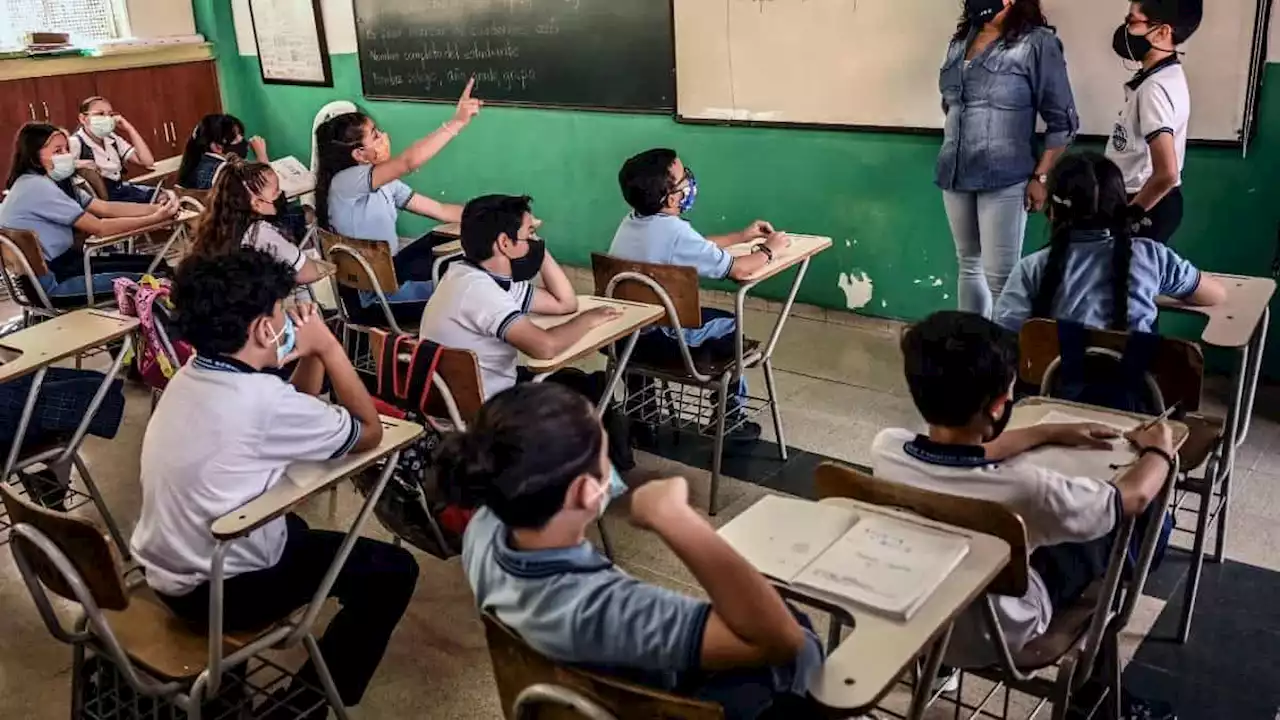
[286, 340]
[616, 488]
[690, 193]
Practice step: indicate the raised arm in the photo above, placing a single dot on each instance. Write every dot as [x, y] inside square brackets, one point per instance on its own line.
[427, 207]
[141, 155]
[419, 153]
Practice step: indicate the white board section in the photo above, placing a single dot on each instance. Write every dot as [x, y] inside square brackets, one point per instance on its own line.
[875, 63]
[288, 39]
[339, 26]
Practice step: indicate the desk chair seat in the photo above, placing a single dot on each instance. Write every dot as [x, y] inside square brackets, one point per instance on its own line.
[704, 361]
[1204, 437]
[1066, 631]
[362, 266]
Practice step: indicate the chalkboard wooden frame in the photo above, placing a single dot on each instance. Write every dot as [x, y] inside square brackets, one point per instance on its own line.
[318, 15]
[668, 111]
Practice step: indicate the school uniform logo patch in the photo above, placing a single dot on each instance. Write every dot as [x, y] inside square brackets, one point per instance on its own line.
[1120, 138]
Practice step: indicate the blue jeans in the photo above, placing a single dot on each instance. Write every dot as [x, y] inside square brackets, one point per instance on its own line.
[988, 228]
[716, 333]
[118, 191]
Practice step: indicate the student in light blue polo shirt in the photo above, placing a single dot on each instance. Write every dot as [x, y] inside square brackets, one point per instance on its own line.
[1093, 271]
[535, 461]
[360, 193]
[660, 190]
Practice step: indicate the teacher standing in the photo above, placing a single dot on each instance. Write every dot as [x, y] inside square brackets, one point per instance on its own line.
[1004, 67]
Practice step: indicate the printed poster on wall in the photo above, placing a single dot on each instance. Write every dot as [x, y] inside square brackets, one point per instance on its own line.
[291, 42]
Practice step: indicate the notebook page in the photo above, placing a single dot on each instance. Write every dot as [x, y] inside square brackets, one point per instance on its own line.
[885, 564]
[1084, 462]
[780, 536]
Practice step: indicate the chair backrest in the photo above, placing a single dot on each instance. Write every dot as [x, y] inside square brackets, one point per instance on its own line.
[981, 516]
[350, 273]
[679, 282]
[1178, 366]
[460, 371]
[28, 245]
[516, 666]
[21, 265]
[86, 545]
[95, 182]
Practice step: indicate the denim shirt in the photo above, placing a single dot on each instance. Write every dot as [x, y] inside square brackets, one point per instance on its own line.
[990, 138]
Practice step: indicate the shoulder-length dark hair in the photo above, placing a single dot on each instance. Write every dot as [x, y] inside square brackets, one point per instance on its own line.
[27, 144]
[336, 139]
[1024, 16]
[220, 129]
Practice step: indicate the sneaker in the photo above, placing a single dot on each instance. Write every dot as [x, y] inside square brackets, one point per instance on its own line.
[44, 489]
[947, 680]
[1136, 708]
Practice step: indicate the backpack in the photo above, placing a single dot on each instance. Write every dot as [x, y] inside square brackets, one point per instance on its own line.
[413, 506]
[148, 300]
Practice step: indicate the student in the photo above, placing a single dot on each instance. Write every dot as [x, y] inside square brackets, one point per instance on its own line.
[97, 144]
[534, 462]
[359, 194]
[483, 302]
[660, 189]
[246, 199]
[960, 368]
[1093, 272]
[212, 143]
[42, 199]
[251, 426]
[1149, 141]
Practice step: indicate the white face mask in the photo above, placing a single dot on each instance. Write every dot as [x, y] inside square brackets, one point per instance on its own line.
[102, 125]
[64, 166]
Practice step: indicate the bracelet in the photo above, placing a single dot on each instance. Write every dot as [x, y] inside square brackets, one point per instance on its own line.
[764, 249]
[1153, 450]
[449, 128]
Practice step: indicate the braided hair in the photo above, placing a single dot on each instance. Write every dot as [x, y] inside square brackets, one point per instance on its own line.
[1086, 192]
[336, 138]
[230, 213]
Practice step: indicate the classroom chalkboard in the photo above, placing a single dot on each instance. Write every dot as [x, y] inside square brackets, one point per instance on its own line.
[592, 54]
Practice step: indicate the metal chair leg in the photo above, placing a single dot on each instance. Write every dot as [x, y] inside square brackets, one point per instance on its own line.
[1197, 558]
[101, 504]
[322, 671]
[605, 543]
[718, 450]
[1220, 543]
[771, 386]
[77, 681]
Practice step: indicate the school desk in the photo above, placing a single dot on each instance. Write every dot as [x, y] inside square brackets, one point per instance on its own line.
[162, 169]
[303, 480]
[635, 317]
[867, 663]
[177, 225]
[1239, 324]
[1089, 463]
[33, 350]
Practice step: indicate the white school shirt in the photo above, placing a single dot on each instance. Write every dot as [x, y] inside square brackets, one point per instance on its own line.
[472, 309]
[109, 153]
[264, 236]
[1055, 508]
[221, 435]
[1156, 101]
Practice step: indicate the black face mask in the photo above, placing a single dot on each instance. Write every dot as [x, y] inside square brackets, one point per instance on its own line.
[240, 149]
[999, 424]
[282, 205]
[980, 12]
[1130, 47]
[524, 269]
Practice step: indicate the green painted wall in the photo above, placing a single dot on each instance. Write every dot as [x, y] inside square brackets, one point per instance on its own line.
[872, 192]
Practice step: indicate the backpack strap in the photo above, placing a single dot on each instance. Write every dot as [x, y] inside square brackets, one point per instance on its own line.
[422, 370]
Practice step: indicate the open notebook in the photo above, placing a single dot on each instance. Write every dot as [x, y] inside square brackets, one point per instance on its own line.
[1085, 462]
[880, 563]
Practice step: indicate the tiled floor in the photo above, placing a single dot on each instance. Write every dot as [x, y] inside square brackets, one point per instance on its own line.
[839, 385]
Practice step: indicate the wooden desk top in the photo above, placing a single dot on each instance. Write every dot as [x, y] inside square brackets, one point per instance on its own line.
[1090, 463]
[183, 216]
[802, 246]
[449, 248]
[167, 166]
[26, 351]
[453, 230]
[1232, 323]
[870, 660]
[304, 479]
[634, 317]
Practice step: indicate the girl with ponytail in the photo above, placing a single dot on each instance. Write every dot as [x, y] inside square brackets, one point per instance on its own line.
[1094, 271]
[535, 460]
[359, 194]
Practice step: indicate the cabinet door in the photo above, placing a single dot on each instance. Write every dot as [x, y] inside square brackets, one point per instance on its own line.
[60, 97]
[20, 106]
[191, 92]
[135, 93]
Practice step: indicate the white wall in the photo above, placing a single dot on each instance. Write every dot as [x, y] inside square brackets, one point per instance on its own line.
[160, 18]
[339, 25]
[1274, 46]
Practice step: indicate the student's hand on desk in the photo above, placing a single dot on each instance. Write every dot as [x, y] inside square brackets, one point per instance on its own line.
[259, 148]
[757, 229]
[1083, 435]
[166, 209]
[1158, 436]
[595, 317]
[658, 502]
[777, 242]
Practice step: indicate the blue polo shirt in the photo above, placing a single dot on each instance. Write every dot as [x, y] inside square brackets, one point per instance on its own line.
[1085, 295]
[575, 606]
[358, 210]
[37, 203]
[669, 240]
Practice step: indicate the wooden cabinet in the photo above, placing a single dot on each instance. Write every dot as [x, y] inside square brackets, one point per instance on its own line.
[164, 103]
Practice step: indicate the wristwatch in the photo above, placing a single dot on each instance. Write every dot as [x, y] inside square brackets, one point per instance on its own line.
[1042, 178]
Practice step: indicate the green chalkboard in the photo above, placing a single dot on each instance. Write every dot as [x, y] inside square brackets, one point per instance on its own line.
[595, 54]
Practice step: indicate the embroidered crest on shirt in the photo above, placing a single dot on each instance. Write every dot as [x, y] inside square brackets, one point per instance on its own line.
[1120, 138]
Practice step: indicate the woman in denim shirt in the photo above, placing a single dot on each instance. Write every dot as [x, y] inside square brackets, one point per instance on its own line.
[1004, 66]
